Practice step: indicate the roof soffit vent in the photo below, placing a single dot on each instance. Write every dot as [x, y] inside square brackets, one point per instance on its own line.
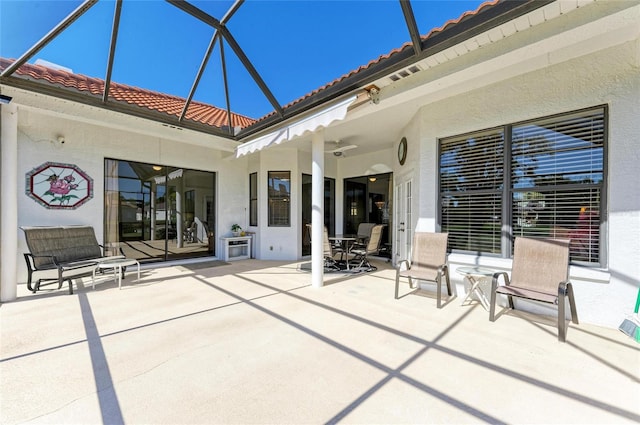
[404, 73]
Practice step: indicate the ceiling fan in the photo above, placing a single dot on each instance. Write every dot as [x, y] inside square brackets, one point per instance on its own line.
[337, 148]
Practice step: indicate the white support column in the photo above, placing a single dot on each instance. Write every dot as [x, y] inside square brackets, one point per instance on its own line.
[9, 201]
[317, 209]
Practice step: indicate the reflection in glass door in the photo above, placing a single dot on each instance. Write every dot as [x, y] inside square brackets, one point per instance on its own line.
[329, 209]
[156, 213]
[367, 199]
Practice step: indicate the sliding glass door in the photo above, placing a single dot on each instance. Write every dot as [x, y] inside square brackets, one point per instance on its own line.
[367, 199]
[156, 213]
[329, 209]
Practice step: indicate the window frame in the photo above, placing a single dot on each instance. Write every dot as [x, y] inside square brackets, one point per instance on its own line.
[274, 202]
[508, 188]
[253, 199]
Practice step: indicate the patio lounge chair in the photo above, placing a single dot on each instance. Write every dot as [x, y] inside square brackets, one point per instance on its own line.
[361, 253]
[539, 272]
[428, 262]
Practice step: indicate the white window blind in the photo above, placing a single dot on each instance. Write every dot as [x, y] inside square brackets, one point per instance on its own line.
[471, 181]
[555, 178]
[557, 171]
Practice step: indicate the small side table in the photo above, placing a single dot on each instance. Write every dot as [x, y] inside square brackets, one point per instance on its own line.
[475, 275]
[236, 248]
[116, 264]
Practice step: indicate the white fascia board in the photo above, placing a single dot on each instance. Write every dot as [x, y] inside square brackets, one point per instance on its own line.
[599, 34]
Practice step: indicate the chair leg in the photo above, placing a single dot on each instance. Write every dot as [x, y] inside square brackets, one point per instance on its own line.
[565, 290]
[492, 308]
[29, 286]
[562, 321]
[397, 282]
[572, 304]
[446, 277]
[439, 290]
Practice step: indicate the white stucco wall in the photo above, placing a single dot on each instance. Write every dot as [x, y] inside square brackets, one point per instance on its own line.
[609, 77]
[87, 145]
[277, 242]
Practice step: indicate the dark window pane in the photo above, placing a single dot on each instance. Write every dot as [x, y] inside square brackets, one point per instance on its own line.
[279, 198]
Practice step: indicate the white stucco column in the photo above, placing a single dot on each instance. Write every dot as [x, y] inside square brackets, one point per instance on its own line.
[317, 209]
[9, 201]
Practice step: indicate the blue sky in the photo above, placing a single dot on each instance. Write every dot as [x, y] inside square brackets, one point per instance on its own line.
[296, 46]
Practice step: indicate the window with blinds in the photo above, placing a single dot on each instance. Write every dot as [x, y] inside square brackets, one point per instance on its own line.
[557, 172]
[553, 185]
[471, 181]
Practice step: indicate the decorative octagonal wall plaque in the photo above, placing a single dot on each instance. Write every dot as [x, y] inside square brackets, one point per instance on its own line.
[59, 186]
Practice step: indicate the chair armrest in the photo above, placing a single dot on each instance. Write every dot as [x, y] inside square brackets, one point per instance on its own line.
[562, 289]
[496, 278]
[31, 263]
[505, 275]
[406, 263]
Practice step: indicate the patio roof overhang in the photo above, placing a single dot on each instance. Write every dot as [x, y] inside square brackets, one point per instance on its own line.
[309, 123]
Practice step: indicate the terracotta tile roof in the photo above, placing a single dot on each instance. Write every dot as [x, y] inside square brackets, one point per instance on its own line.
[172, 105]
[381, 58]
[201, 112]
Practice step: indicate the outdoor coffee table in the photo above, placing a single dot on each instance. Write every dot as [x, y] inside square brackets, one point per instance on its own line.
[116, 264]
[475, 275]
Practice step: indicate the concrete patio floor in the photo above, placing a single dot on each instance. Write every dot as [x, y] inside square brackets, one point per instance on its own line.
[252, 342]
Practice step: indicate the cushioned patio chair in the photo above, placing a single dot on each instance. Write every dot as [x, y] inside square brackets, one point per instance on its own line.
[360, 254]
[539, 272]
[428, 262]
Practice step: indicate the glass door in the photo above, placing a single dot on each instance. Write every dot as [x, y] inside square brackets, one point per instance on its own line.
[329, 209]
[367, 199]
[155, 213]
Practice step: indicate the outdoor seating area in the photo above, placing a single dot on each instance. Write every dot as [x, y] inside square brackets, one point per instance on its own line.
[391, 226]
[252, 342]
[540, 273]
[62, 253]
[428, 263]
